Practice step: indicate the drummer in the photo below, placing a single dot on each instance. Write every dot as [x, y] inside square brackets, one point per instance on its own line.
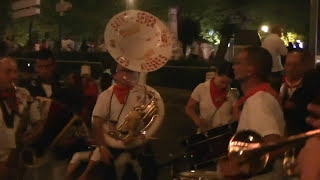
[13, 101]
[214, 99]
[112, 106]
[259, 109]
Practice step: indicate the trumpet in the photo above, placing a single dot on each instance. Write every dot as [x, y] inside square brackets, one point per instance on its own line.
[247, 147]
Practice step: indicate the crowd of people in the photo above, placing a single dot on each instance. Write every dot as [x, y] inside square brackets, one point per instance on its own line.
[273, 111]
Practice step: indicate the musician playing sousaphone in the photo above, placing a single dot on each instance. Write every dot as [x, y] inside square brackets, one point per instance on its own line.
[13, 102]
[111, 108]
[215, 100]
[127, 114]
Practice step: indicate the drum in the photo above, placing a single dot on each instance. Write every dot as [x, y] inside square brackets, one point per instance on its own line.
[210, 144]
[199, 175]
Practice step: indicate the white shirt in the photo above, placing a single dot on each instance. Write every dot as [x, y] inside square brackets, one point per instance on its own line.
[285, 90]
[67, 45]
[262, 113]
[208, 111]
[101, 108]
[47, 89]
[276, 48]
[7, 135]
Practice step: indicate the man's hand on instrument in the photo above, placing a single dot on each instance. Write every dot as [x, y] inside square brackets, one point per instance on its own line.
[201, 123]
[106, 155]
[229, 167]
[314, 118]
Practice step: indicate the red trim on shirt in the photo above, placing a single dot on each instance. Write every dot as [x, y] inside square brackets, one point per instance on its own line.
[218, 96]
[291, 85]
[262, 87]
[121, 93]
[10, 96]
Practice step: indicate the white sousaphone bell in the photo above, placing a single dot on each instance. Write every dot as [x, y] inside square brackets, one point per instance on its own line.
[140, 42]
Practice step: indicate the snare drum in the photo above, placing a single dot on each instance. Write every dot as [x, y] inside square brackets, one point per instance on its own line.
[199, 175]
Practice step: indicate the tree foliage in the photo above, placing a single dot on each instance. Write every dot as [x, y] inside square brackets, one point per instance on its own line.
[88, 18]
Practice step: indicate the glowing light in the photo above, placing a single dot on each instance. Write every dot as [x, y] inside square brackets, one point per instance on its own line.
[211, 32]
[193, 171]
[28, 64]
[250, 138]
[265, 28]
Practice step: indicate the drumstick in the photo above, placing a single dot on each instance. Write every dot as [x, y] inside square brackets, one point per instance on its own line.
[63, 131]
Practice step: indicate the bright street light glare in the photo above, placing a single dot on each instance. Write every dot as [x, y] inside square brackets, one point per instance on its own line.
[265, 28]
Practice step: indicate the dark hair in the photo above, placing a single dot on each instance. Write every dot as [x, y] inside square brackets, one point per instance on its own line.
[45, 54]
[226, 69]
[276, 28]
[261, 59]
[3, 49]
[306, 57]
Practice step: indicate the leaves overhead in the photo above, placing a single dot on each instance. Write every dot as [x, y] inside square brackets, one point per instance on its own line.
[88, 18]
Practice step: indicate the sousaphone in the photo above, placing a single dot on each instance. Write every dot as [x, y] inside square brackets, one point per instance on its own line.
[140, 42]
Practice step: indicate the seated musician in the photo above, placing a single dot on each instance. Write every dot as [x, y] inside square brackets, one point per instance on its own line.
[259, 109]
[112, 106]
[214, 100]
[44, 131]
[13, 103]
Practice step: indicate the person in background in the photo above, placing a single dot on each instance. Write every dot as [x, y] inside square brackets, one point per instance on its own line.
[84, 46]
[276, 48]
[296, 92]
[214, 99]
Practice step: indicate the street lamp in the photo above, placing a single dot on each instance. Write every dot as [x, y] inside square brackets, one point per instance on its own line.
[265, 28]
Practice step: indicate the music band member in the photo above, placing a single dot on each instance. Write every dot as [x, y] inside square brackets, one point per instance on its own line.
[13, 102]
[46, 84]
[112, 106]
[299, 88]
[214, 99]
[66, 102]
[259, 109]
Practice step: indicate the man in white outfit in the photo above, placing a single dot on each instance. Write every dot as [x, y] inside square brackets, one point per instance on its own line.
[276, 47]
[258, 110]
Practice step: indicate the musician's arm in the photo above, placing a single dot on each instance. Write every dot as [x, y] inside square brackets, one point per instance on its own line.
[191, 112]
[271, 139]
[98, 131]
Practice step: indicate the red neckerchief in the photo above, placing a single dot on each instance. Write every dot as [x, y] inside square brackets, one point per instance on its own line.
[262, 87]
[121, 93]
[289, 85]
[10, 97]
[218, 96]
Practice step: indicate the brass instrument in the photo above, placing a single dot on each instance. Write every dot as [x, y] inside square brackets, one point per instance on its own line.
[141, 46]
[47, 131]
[140, 123]
[247, 147]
